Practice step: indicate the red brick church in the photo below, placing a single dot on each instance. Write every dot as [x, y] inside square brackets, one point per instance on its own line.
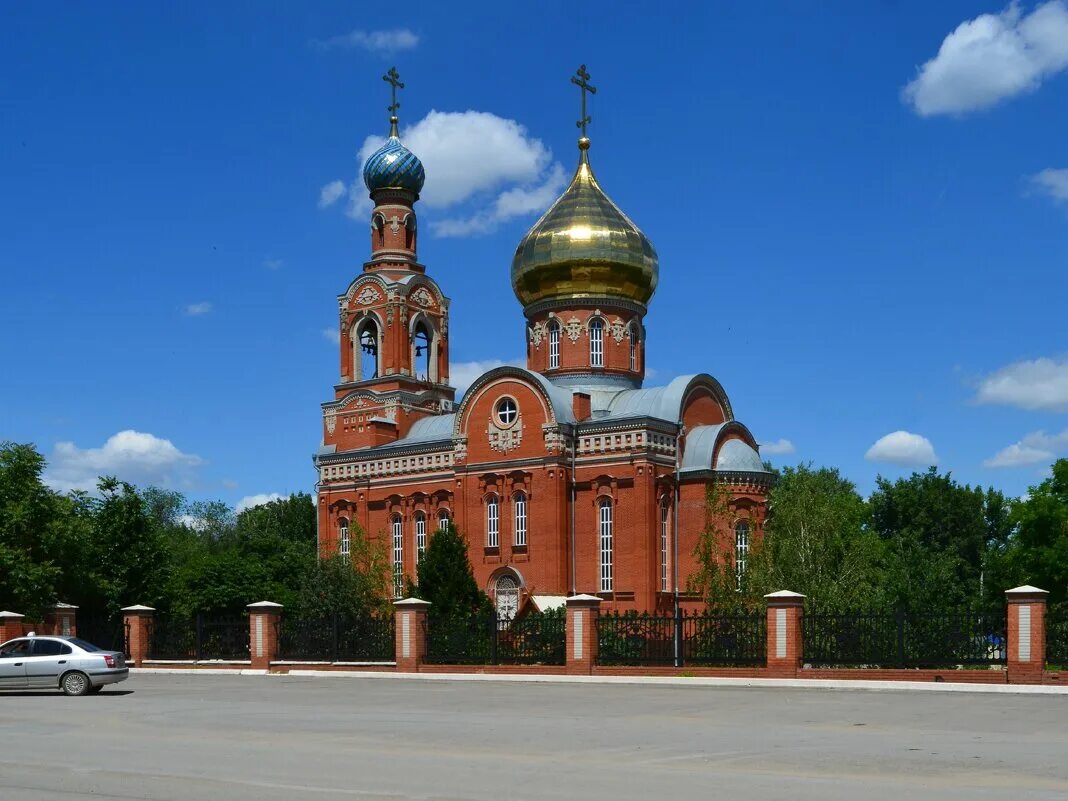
[567, 476]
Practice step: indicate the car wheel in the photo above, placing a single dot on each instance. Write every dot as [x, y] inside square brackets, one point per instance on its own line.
[75, 683]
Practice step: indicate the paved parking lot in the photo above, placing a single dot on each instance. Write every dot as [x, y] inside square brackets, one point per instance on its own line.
[267, 738]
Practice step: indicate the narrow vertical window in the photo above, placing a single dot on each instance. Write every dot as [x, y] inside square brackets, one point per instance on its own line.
[398, 557]
[343, 537]
[665, 523]
[443, 519]
[493, 522]
[633, 348]
[597, 342]
[520, 519]
[420, 536]
[554, 345]
[741, 551]
[606, 544]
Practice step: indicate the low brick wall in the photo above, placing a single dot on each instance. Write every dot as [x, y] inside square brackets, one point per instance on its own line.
[683, 672]
[878, 674]
[512, 670]
[297, 667]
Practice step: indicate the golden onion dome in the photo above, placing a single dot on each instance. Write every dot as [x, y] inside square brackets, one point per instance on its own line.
[584, 246]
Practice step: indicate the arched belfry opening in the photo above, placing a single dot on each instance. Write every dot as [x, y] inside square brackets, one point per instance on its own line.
[365, 349]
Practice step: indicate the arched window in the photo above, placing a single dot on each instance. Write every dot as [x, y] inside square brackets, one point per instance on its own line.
[554, 345]
[493, 522]
[420, 536]
[398, 556]
[365, 355]
[605, 518]
[506, 599]
[421, 352]
[665, 527]
[597, 342]
[343, 537]
[741, 551]
[520, 519]
[443, 519]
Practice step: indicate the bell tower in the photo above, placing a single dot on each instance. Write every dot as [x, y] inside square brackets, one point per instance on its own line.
[393, 317]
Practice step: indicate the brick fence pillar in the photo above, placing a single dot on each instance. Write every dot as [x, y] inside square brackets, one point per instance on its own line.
[1026, 634]
[263, 618]
[60, 619]
[582, 614]
[10, 625]
[784, 633]
[409, 643]
[138, 622]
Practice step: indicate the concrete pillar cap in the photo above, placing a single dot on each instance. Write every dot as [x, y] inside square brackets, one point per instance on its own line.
[784, 594]
[62, 605]
[264, 606]
[1026, 589]
[582, 600]
[137, 608]
[412, 603]
[10, 615]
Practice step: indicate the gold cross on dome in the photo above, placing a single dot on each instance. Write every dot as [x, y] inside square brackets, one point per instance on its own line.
[581, 80]
[393, 79]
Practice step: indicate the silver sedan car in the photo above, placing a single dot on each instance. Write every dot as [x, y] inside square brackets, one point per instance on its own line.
[66, 663]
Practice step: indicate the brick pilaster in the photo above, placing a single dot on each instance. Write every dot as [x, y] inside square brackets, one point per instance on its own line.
[410, 640]
[784, 633]
[60, 619]
[1026, 634]
[263, 618]
[10, 625]
[138, 621]
[582, 614]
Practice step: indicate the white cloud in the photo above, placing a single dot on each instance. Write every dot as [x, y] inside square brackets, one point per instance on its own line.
[197, 309]
[331, 335]
[331, 193]
[463, 374]
[132, 456]
[273, 264]
[229, 483]
[991, 58]
[257, 500]
[779, 446]
[1037, 384]
[904, 449]
[485, 169]
[1037, 447]
[1053, 183]
[192, 521]
[378, 42]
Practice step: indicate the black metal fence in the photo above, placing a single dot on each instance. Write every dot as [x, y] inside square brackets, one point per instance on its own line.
[1057, 635]
[701, 638]
[534, 639]
[905, 640]
[108, 631]
[337, 639]
[201, 638]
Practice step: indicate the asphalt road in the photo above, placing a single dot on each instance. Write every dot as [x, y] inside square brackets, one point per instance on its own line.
[267, 738]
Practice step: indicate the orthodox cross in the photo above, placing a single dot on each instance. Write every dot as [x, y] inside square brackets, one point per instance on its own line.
[581, 80]
[393, 79]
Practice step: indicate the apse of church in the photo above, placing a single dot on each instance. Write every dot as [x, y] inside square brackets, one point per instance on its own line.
[565, 477]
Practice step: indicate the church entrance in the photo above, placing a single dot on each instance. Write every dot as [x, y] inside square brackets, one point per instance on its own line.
[506, 597]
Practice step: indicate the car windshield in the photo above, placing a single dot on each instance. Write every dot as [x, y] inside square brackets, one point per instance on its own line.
[85, 646]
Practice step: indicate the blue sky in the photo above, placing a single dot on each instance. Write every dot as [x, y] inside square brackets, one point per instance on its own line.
[850, 257]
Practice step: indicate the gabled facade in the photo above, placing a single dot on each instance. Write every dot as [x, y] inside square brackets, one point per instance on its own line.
[566, 476]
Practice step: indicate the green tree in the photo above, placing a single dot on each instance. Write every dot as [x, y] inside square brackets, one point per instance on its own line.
[1039, 553]
[446, 578]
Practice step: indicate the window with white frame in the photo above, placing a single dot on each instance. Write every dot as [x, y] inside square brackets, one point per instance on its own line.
[398, 556]
[554, 345]
[633, 347]
[443, 519]
[420, 536]
[741, 551]
[493, 522]
[605, 518]
[597, 342]
[343, 537]
[520, 519]
[665, 523]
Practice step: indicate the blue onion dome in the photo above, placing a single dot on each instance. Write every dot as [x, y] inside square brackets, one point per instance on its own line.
[393, 166]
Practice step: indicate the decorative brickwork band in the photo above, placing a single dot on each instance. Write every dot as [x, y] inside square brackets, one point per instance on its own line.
[138, 621]
[263, 620]
[1026, 634]
[582, 614]
[410, 642]
[784, 633]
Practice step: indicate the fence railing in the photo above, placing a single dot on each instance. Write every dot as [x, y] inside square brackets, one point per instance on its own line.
[1057, 635]
[110, 632]
[628, 638]
[535, 639]
[201, 638]
[905, 640]
[338, 638]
